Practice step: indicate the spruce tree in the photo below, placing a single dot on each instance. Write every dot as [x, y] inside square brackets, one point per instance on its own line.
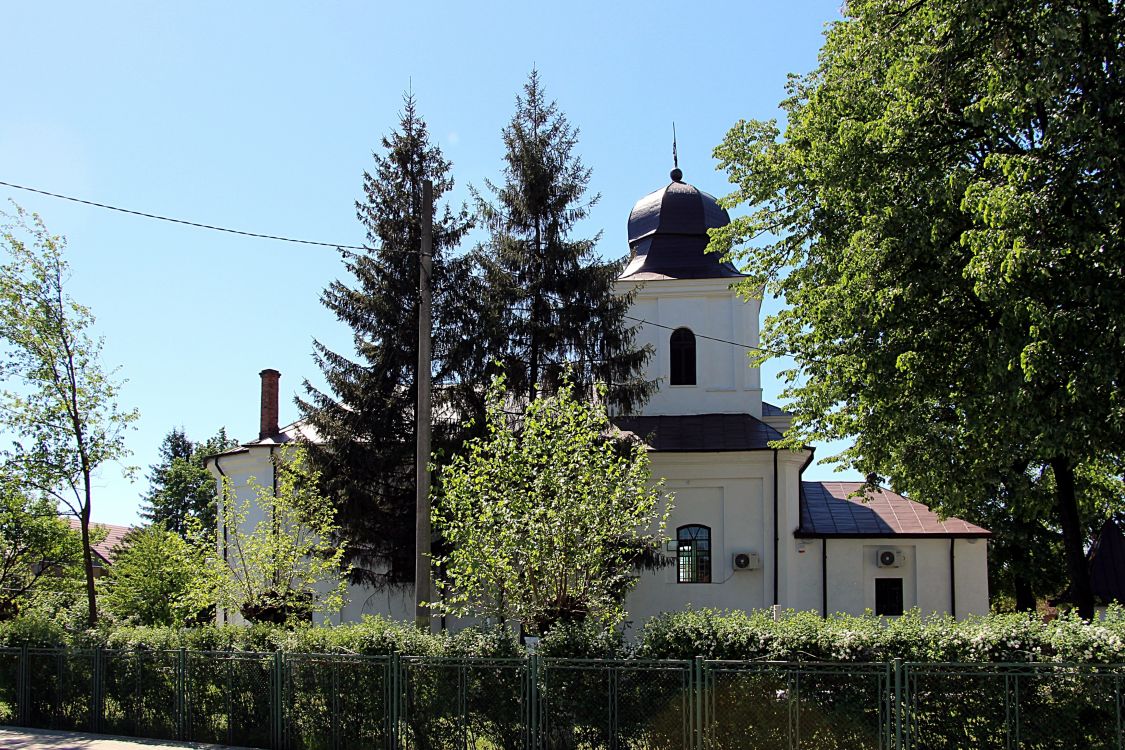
[365, 419]
[549, 305]
[181, 491]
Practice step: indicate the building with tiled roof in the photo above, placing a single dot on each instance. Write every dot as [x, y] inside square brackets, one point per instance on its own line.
[103, 550]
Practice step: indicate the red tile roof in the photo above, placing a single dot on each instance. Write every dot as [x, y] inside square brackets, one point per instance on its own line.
[826, 510]
[113, 537]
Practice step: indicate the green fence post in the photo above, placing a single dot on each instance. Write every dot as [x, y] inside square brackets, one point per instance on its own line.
[393, 704]
[277, 715]
[99, 687]
[533, 730]
[899, 704]
[698, 702]
[23, 688]
[181, 695]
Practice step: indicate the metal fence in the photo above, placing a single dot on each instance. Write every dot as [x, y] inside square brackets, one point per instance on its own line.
[347, 702]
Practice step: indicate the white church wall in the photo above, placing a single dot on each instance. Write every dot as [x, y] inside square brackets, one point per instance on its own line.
[725, 384]
[728, 493]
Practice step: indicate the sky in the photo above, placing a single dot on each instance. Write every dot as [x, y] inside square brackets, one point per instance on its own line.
[262, 116]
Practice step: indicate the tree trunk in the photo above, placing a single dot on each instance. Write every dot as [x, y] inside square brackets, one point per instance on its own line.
[1073, 539]
[88, 558]
[1025, 596]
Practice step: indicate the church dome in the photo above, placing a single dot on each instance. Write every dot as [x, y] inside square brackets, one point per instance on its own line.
[668, 234]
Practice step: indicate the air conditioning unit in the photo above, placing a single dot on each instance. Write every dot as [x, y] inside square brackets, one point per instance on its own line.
[746, 561]
[889, 558]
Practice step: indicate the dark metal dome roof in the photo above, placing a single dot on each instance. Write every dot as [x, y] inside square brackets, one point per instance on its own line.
[668, 234]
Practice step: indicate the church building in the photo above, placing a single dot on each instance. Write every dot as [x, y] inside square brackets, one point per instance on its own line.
[746, 530]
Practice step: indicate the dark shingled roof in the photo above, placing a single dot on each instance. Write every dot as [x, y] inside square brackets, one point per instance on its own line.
[769, 410]
[700, 433]
[668, 235]
[827, 511]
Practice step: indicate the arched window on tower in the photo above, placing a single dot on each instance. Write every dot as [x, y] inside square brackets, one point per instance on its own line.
[682, 346]
[693, 554]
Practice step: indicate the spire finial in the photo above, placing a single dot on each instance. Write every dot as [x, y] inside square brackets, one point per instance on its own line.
[676, 175]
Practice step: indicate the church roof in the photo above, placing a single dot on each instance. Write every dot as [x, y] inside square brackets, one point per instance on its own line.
[668, 235]
[827, 511]
[700, 433]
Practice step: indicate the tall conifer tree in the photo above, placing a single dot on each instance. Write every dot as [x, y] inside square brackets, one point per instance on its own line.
[366, 419]
[549, 302]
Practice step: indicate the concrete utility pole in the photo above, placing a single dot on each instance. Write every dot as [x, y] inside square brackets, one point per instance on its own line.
[422, 530]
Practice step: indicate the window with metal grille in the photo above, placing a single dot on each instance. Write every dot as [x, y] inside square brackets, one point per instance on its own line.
[888, 596]
[694, 554]
[682, 346]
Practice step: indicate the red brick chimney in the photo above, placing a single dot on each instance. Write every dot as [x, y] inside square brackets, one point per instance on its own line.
[269, 403]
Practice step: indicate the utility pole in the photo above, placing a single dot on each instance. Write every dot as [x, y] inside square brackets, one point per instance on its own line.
[422, 530]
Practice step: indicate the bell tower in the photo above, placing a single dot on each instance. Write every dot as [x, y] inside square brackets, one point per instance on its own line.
[693, 319]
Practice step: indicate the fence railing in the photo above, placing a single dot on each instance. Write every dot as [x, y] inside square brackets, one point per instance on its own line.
[345, 702]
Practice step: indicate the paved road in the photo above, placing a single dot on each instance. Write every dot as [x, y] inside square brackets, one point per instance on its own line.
[18, 738]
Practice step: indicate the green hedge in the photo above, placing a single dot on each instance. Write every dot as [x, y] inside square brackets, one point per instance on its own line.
[709, 633]
[806, 636]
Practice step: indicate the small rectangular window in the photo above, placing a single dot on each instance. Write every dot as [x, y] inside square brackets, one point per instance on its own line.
[888, 596]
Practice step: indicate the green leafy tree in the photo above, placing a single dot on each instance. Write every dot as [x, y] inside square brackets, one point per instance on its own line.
[282, 559]
[37, 548]
[59, 405]
[548, 304]
[943, 216]
[366, 418]
[181, 490]
[160, 578]
[546, 515]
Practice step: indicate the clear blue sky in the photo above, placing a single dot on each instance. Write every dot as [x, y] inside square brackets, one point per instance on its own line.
[263, 115]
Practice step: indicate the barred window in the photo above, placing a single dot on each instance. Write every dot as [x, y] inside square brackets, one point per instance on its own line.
[694, 554]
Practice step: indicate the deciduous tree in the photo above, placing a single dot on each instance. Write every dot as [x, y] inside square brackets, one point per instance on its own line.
[943, 216]
[59, 406]
[37, 547]
[546, 515]
[284, 560]
[160, 578]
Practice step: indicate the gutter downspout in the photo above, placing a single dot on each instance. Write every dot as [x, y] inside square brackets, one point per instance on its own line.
[219, 520]
[776, 534]
[952, 580]
[824, 577]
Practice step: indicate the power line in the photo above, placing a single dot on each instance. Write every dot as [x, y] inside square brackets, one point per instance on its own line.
[654, 324]
[185, 222]
[709, 338]
[279, 238]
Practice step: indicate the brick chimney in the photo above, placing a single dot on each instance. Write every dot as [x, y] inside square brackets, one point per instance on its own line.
[269, 403]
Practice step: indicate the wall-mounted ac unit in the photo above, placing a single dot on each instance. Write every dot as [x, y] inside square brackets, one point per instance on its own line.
[888, 557]
[746, 561]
